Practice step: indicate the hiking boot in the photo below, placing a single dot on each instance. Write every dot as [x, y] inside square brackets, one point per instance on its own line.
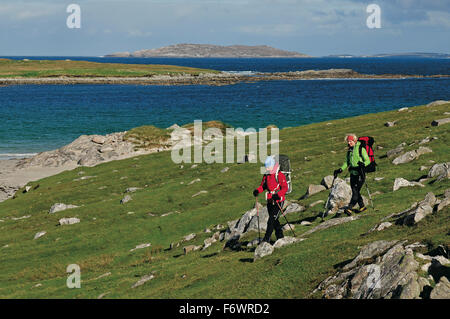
[362, 209]
[348, 211]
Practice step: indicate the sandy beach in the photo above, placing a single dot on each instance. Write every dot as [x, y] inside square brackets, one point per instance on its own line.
[12, 178]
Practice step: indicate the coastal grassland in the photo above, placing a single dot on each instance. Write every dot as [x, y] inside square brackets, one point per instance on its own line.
[108, 230]
[55, 68]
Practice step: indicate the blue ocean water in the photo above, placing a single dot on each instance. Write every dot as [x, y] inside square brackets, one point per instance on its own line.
[44, 117]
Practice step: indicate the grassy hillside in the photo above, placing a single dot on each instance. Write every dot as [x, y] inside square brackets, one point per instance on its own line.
[53, 68]
[108, 230]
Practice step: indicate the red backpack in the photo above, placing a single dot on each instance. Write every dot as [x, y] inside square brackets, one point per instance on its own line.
[367, 142]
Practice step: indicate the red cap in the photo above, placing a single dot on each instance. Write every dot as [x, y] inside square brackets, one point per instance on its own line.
[350, 138]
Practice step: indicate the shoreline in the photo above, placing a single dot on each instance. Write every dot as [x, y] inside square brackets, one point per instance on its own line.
[223, 78]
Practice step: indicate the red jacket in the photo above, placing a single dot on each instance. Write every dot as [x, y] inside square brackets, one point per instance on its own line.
[270, 184]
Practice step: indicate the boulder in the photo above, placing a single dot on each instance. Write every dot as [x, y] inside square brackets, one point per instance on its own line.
[132, 189]
[440, 122]
[143, 280]
[141, 246]
[418, 211]
[40, 234]
[98, 139]
[68, 221]
[189, 237]
[370, 251]
[381, 226]
[314, 189]
[441, 290]
[286, 241]
[401, 182]
[340, 196]
[394, 152]
[390, 124]
[441, 171]
[199, 193]
[126, 199]
[263, 249]
[190, 248]
[327, 181]
[444, 203]
[411, 155]
[58, 207]
[293, 207]
[382, 270]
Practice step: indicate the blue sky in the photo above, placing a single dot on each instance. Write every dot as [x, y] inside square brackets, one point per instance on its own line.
[315, 27]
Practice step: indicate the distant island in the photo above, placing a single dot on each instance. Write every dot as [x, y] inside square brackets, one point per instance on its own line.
[186, 50]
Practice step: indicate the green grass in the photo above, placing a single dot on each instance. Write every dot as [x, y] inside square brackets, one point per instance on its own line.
[101, 242]
[54, 68]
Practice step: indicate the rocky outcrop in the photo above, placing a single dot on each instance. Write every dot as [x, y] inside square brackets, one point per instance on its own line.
[86, 150]
[401, 182]
[382, 270]
[420, 210]
[440, 171]
[411, 155]
[440, 122]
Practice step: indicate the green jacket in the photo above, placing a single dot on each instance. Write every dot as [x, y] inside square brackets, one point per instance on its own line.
[353, 159]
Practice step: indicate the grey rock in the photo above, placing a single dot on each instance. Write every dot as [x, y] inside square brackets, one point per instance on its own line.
[401, 182]
[190, 248]
[286, 241]
[444, 203]
[126, 199]
[263, 249]
[440, 171]
[340, 196]
[293, 207]
[314, 189]
[411, 155]
[440, 122]
[381, 226]
[141, 246]
[370, 251]
[143, 280]
[390, 124]
[199, 193]
[69, 221]
[132, 189]
[40, 234]
[327, 181]
[394, 152]
[441, 290]
[189, 237]
[58, 207]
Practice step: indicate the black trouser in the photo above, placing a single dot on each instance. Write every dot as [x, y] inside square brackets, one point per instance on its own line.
[273, 222]
[356, 183]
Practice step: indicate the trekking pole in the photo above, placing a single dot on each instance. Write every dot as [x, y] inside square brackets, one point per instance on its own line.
[368, 192]
[367, 186]
[257, 217]
[281, 210]
[328, 199]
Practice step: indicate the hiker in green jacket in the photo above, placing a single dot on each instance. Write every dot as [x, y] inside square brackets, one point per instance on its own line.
[357, 160]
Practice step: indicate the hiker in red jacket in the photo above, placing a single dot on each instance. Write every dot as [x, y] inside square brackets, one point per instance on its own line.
[275, 184]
